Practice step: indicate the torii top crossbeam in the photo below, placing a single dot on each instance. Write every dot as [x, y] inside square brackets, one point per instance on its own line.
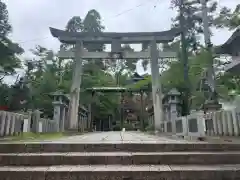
[107, 37]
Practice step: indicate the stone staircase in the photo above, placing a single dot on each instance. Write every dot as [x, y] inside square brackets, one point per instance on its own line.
[140, 161]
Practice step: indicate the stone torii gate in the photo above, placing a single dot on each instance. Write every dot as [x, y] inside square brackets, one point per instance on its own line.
[80, 39]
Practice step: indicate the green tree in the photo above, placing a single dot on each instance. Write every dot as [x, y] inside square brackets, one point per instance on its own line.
[5, 27]
[73, 25]
[92, 24]
[228, 18]
[192, 19]
[8, 49]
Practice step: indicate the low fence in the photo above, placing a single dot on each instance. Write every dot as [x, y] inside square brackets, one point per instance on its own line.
[198, 124]
[11, 123]
[47, 126]
[15, 123]
[223, 123]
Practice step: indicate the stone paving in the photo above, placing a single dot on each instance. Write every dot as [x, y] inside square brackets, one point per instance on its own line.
[117, 137]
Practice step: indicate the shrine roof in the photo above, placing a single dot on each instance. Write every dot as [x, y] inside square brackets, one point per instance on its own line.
[174, 92]
[111, 89]
[106, 37]
[57, 93]
[230, 45]
[83, 108]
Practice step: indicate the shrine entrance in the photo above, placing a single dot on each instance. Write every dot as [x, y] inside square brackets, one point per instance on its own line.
[116, 118]
[149, 41]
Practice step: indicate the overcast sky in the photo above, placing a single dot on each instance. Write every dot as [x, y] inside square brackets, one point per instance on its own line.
[31, 19]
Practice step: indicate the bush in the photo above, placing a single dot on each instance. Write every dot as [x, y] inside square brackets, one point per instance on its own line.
[128, 127]
[116, 128]
[150, 128]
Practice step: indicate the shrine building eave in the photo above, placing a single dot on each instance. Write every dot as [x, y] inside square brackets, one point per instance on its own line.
[107, 37]
[233, 67]
[232, 45]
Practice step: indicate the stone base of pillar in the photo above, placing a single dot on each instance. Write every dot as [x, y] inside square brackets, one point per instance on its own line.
[71, 131]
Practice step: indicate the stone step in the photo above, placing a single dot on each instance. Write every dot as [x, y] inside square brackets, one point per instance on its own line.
[122, 158]
[119, 147]
[113, 172]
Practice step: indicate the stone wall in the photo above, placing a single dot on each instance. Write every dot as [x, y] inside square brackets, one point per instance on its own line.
[223, 123]
[15, 123]
[11, 123]
[198, 124]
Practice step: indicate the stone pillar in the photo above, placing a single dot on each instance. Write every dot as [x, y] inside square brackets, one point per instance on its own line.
[8, 118]
[89, 116]
[34, 122]
[40, 127]
[82, 123]
[66, 122]
[225, 125]
[79, 122]
[18, 125]
[165, 126]
[14, 118]
[75, 89]
[85, 123]
[184, 121]
[57, 114]
[26, 125]
[173, 117]
[201, 123]
[37, 120]
[109, 123]
[29, 121]
[236, 122]
[156, 88]
[214, 118]
[219, 123]
[3, 121]
[230, 123]
[22, 122]
[63, 115]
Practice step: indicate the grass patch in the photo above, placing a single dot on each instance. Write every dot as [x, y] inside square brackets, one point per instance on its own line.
[33, 136]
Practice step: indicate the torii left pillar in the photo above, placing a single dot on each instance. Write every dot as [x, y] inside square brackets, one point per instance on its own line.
[75, 88]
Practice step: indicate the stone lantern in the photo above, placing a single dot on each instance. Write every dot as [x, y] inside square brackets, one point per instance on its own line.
[173, 97]
[171, 103]
[59, 105]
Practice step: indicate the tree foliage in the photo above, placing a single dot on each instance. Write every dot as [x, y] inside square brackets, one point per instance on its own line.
[5, 27]
[8, 50]
[228, 18]
[192, 20]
